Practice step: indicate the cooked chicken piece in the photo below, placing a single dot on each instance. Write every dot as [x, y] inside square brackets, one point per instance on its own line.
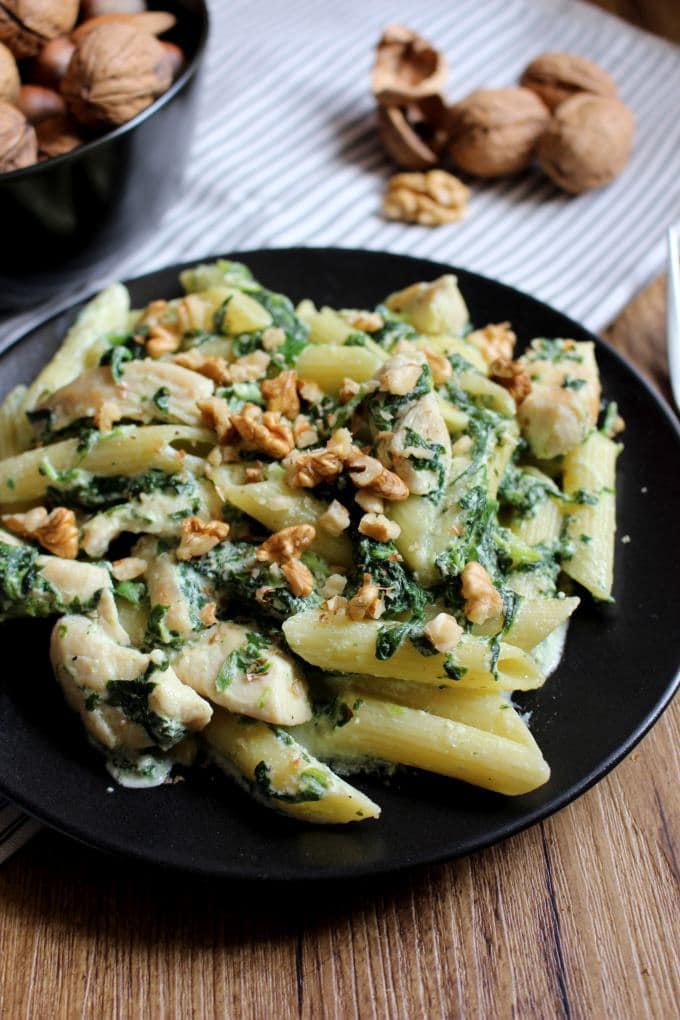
[164, 579]
[257, 680]
[410, 450]
[86, 660]
[436, 307]
[147, 391]
[564, 401]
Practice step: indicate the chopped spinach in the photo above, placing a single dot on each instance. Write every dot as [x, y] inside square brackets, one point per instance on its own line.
[132, 698]
[245, 661]
[161, 399]
[312, 785]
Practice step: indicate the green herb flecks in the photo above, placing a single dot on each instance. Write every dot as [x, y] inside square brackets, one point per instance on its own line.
[246, 661]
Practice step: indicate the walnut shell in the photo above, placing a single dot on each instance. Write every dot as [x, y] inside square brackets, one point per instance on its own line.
[26, 25]
[494, 131]
[18, 145]
[95, 8]
[57, 136]
[407, 68]
[557, 76]
[415, 136]
[115, 73]
[10, 82]
[49, 67]
[153, 22]
[587, 143]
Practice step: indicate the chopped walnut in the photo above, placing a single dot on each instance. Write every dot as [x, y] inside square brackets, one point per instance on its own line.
[161, 340]
[199, 537]
[128, 568]
[253, 473]
[281, 393]
[379, 527]
[440, 366]
[444, 632]
[273, 337]
[266, 432]
[429, 199]
[55, 531]
[217, 417]
[305, 470]
[310, 391]
[512, 376]
[335, 519]
[336, 604]
[482, 601]
[106, 414]
[208, 615]
[153, 313]
[286, 544]
[250, 367]
[401, 372]
[497, 340]
[349, 389]
[210, 365]
[367, 472]
[369, 502]
[300, 578]
[304, 433]
[334, 584]
[367, 322]
[366, 602]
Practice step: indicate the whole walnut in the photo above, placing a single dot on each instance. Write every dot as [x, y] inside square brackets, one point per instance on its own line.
[95, 8]
[115, 73]
[494, 131]
[26, 25]
[587, 143]
[558, 76]
[10, 82]
[56, 136]
[38, 103]
[18, 145]
[49, 67]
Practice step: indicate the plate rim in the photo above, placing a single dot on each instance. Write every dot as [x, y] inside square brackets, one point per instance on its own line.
[367, 868]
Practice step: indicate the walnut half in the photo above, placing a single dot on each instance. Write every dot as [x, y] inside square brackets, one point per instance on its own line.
[429, 199]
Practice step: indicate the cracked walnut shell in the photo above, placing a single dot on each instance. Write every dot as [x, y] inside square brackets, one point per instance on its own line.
[587, 143]
[415, 135]
[556, 77]
[18, 143]
[495, 131]
[114, 74]
[26, 25]
[429, 199]
[406, 68]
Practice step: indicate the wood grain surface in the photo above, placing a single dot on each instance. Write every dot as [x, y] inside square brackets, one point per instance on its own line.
[575, 918]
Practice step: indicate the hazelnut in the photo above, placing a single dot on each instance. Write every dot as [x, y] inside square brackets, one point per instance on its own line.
[406, 68]
[49, 67]
[26, 25]
[57, 136]
[37, 103]
[152, 22]
[587, 143]
[494, 131]
[115, 73]
[10, 82]
[414, 136]
[557, 76]
[18, 145]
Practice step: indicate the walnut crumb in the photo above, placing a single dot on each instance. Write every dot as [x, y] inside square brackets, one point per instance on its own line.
[366, 602]
[430, 199]
[253, 473]
[334, 584]
[349, 389]
[335, 519]
[367, 322]
[273, 337]
[217, 417]
[444, 632]
[496, 340]
[299, 577]
[199, 537]
[286, 544]
[482, 601]
[250, 367]
[310, 391]
[369, 502]
[304, 433]
[160, 340]
[106, 415]
[128, 568]
[512, 376]
[210, 365]
[208, 615]
[379, 527]
[56, 531]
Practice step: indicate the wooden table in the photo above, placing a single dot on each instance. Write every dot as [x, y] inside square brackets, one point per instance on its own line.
[578, 917]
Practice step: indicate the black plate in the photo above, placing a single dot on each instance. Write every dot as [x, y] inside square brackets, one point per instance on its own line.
[618, 674]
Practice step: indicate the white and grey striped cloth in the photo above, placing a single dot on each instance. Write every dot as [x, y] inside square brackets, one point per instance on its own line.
[286, 153]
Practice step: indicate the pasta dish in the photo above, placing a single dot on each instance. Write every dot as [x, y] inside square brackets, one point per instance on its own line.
[306, 543]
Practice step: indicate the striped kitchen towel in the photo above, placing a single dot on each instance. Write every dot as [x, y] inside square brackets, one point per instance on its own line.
[286, 152]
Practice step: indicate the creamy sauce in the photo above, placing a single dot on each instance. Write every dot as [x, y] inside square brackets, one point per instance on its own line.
[548, 653]
[146, 772]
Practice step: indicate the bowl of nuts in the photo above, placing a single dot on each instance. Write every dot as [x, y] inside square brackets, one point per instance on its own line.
[97, 107]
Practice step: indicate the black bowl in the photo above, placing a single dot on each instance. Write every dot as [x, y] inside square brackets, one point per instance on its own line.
[70, 216]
